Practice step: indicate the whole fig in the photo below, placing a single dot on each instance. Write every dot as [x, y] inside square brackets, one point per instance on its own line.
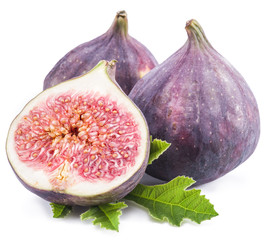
[134, 59]
[197, 101]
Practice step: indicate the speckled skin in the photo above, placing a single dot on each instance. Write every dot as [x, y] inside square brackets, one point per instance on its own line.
[133, 59]
[197, 101]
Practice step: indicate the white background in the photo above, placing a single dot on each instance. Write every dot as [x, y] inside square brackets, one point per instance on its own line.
[34, 35]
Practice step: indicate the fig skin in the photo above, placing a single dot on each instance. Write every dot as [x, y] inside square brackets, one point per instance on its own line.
[134, 59]
[199, 102]
[107, 69]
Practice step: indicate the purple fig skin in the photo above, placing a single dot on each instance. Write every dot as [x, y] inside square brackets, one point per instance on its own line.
[199, 102]
[134, 59]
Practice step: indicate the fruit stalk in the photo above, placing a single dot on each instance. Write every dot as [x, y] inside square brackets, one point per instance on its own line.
[195, 33]
[120, 24]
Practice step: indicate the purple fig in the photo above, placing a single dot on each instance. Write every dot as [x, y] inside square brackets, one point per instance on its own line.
[197, 101]
[81, 142]
[134, 59]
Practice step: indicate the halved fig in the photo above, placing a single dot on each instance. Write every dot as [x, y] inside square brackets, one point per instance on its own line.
[81, 142]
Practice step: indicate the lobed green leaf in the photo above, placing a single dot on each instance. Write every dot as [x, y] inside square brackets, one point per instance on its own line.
[59, 210]
[157, 148]
[107, 215]
[172, 202]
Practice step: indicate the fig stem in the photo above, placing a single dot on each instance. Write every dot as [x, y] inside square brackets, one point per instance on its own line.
[195, 32]
[120, 24]
[122, 14]
[111, 69]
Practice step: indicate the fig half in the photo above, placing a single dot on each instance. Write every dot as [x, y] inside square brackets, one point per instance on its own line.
[81, 142]
[134, 59]
[200, 103]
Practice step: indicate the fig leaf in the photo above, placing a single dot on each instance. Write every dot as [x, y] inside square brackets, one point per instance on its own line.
[157, 148]
[107, 215]
[172, 202]
[59, 210]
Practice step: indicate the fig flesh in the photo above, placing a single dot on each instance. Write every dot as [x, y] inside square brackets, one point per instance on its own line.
[134, 59]
[81, 142]
[197, 101]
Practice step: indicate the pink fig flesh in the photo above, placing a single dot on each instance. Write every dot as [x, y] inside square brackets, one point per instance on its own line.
[92, 136]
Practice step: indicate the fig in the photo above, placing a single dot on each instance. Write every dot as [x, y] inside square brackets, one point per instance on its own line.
[134, 59]
[199, 102]
[81, 142]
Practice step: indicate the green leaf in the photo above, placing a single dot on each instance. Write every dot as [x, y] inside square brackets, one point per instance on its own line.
[107, 215]
[157, 148]
[172, 202]
[60, 211]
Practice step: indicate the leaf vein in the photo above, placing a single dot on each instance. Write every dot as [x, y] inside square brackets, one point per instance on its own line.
[163, 202]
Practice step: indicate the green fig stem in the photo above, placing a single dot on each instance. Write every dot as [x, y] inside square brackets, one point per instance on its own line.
[120, 24]
[195, 32]
[111, 69]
